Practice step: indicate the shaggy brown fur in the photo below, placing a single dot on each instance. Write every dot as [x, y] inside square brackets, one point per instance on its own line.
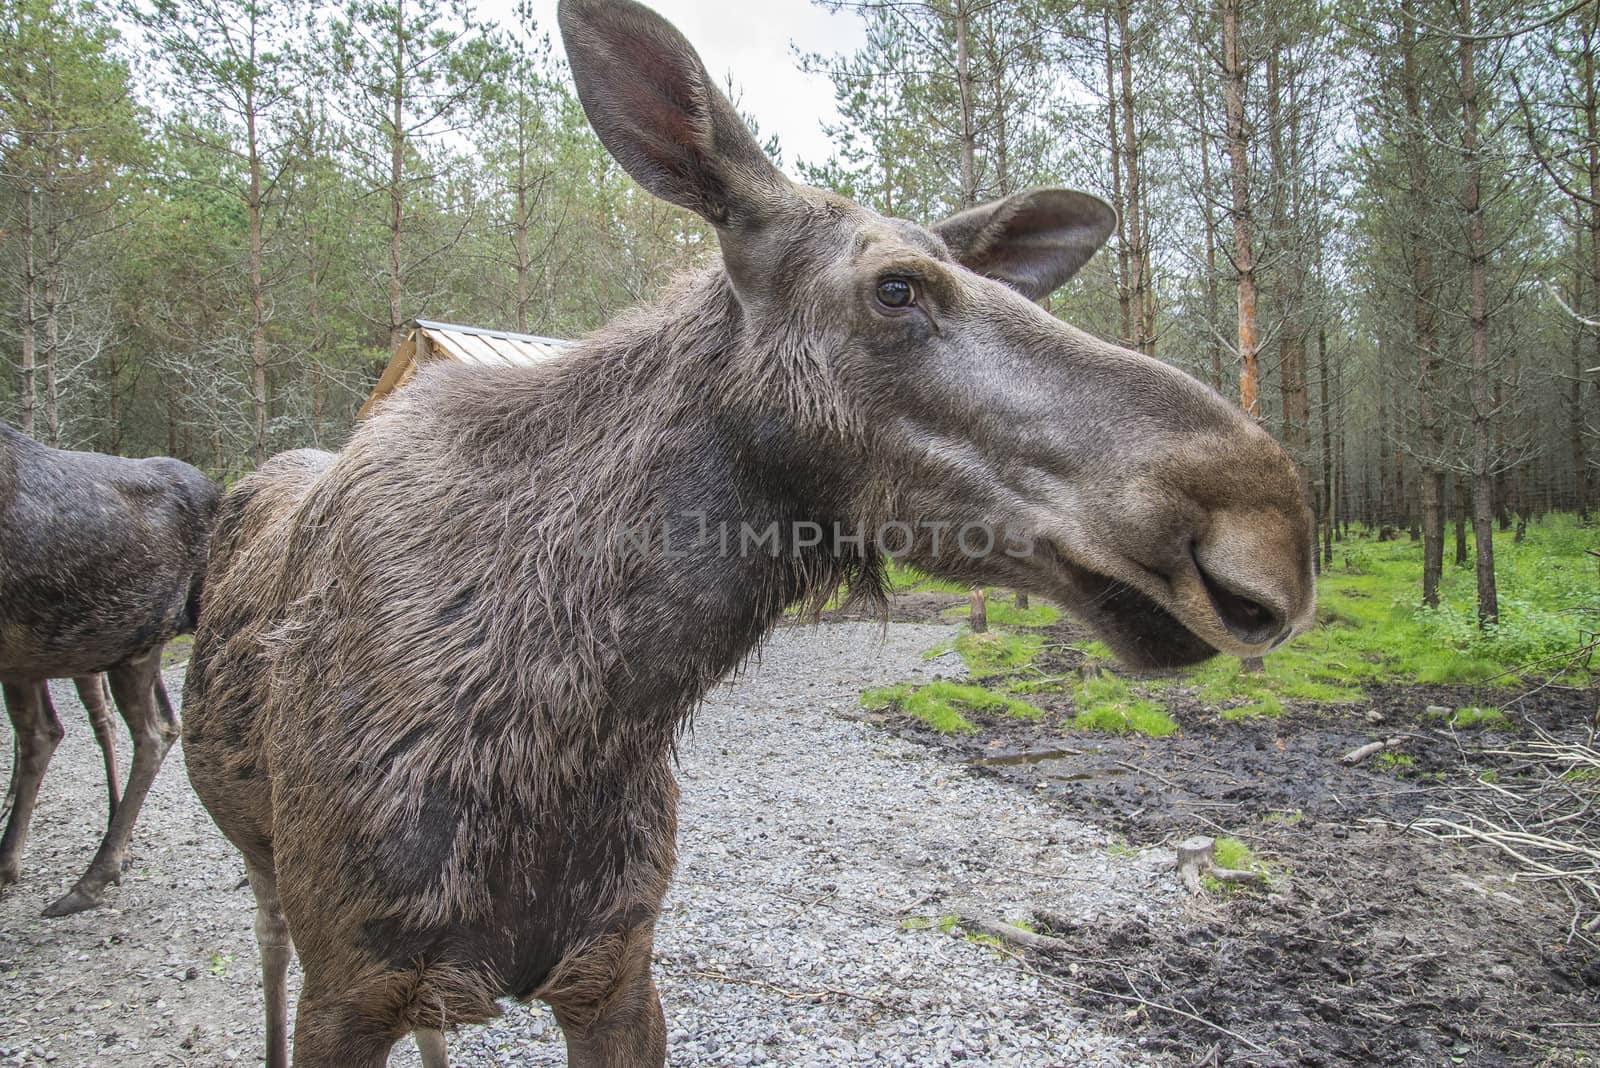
[438, 679]
[101, 560]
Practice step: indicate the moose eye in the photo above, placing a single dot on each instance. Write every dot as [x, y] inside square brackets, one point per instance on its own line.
[896, 293]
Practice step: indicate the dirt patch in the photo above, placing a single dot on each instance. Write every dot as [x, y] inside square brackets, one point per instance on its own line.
[1372, 944]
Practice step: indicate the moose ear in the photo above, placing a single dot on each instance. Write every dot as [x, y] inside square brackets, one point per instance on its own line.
[658, 112]
[1033, 241]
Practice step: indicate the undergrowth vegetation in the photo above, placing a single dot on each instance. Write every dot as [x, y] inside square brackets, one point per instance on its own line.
[1370, 629]
[1549, 597]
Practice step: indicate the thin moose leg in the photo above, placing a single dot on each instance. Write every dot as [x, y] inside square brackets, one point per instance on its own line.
[430, 1044]
[92, 692]
[11, 783]
[272, 938]
[37, 732]
[142, 700]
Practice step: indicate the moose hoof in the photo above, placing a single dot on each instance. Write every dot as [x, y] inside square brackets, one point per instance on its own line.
[9, 874]
[76, 900]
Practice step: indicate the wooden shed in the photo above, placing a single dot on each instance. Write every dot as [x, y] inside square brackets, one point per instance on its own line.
[426, 340]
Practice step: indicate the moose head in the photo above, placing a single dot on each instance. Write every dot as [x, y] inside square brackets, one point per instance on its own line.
[914, 361]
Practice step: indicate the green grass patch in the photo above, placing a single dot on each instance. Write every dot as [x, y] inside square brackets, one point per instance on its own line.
[1473, 716]
[903, 578]
[1369, 606]
[1107, 703]
[1371, 627]
[1232, 853]
[944, 706]
[1305, 671]
[996, 652]
[1391, 759]
[1095, 650]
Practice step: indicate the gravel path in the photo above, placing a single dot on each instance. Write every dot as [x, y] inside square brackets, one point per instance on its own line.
[806, 839]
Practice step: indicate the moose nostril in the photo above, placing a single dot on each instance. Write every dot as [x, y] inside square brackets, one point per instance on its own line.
[1248, 620]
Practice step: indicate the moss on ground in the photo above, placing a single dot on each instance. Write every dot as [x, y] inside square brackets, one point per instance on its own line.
[1232, 853]
[944, 705]
[1106, 702]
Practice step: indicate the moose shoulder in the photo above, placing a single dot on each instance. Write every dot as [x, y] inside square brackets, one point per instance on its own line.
[438, 676]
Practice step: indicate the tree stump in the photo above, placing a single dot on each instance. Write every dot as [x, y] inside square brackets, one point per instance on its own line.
[1195, 855]
[978, 611]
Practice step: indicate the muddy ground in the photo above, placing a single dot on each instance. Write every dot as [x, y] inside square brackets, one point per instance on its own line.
[1372, 944]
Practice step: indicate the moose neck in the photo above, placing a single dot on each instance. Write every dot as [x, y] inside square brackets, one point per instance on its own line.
[664, 510]
[744, 496]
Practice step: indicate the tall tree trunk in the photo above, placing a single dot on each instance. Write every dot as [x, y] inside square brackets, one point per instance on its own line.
[1213, 343]
[969, 133]
[521, 227]
[1385, 513]
[319, 385]
[113, 401]
[1424, 335]
[1478, 290]
[1341, 489]
[1580, 460]
[258, 294]
[1138, 252]
[1002, 150]
[1207, 213]
[1114, 140]
[1325, 495]
[25, 324]
[1291, 284]
[397, 144]
[1402, 502]
[1459, 492]
[1233, 83]
[52, 313]
[1591, 122]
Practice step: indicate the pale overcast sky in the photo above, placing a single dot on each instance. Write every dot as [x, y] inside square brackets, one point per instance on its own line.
[751, 39]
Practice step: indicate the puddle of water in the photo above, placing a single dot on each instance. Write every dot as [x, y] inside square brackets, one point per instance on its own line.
[1042, 758]
[1032, 756]
[1083, 776]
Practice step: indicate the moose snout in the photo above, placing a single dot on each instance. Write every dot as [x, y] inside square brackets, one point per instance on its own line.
[1253, 573]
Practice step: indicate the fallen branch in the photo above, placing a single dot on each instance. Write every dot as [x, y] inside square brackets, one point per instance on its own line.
[1360, 753]
[1010, 932]
[1545, 819]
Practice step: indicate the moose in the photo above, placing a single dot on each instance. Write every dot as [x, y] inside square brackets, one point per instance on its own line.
[439, 676]
[101, 564]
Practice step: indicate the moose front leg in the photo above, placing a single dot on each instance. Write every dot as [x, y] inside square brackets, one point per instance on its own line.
[619, 1025]
[140, 696]
[36, 733]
